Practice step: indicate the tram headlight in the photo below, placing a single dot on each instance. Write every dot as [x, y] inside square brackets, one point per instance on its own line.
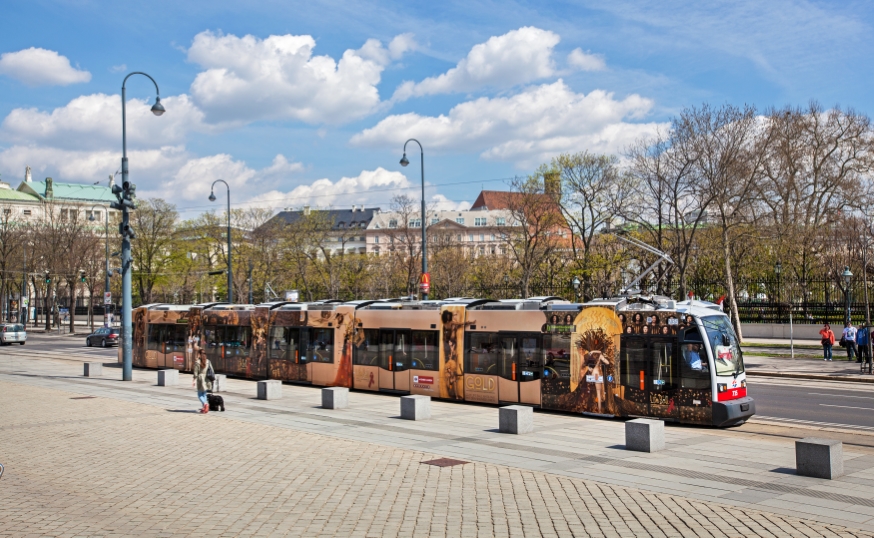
[743, 383]
[721, 387]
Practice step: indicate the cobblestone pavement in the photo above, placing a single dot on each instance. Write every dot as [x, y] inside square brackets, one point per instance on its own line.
[99, 466]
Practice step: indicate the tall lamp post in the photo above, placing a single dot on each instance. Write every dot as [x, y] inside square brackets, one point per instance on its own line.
[848, 277]
[212, 199]
[106, 281]
[126, 194]
[426, 279]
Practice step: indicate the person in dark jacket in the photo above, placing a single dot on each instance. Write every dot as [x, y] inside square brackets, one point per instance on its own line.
[862, 344]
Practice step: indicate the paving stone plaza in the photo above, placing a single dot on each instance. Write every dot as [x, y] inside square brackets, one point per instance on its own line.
[100, 457]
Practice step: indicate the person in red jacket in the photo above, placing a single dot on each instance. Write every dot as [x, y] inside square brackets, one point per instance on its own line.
[828, 340]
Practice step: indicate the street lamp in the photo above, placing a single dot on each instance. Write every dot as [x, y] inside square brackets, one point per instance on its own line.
[126, 195]
[106, 282]
[212, 199]
[576, 284]
[405, 162]
[848, 277]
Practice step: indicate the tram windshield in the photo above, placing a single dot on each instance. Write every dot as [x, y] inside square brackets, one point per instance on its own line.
[725, 346]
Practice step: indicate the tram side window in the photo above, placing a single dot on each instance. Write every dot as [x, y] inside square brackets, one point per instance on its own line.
[213, 335]
[633, 361]
[321, 345]
[367, 351]
[531, 359]
[156, 337]
[425, 351]
[694, 365]
[663, 366]
[278, 342]
[557, 352]
[481, 353]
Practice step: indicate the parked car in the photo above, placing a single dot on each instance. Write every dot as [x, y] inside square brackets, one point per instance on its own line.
[12, 333]
[103, 337]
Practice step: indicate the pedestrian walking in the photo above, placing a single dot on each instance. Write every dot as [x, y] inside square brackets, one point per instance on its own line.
[828, 340]
[203, 377]
[849, 340]
[862, 344]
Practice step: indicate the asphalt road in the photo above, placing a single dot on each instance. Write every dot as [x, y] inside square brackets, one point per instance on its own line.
[797, 400]
[818, 401]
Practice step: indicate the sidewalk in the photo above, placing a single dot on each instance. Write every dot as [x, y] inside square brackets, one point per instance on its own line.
[135, 459]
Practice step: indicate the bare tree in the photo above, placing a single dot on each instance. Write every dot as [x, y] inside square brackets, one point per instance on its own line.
[154, 223]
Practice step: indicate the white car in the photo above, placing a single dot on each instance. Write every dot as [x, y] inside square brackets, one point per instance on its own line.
[12, 333]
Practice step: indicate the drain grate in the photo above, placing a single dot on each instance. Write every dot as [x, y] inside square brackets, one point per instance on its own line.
[83, 397]
[445, 462]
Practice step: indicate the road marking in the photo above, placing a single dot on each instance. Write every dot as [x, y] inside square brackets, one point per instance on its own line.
[814, 423]
[841, 395]
[848, 407]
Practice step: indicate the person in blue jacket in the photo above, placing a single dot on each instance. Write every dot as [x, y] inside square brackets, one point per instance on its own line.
[862, 343]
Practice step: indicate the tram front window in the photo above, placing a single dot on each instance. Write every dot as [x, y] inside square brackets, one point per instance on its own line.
[723, 341]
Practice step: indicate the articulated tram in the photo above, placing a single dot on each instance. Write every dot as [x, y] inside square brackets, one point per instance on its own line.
[631, 356]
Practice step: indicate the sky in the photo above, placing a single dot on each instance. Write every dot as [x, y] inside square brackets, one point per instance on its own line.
[310, 103]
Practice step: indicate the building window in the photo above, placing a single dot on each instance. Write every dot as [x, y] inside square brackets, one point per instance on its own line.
[501, 221]
[27, 212]
[376, 250]
[459, 237]
[7, 211]
[415, 223]
[376, 239]
[392, 223]
[493, 237]
[482, 237]
[480, 221]
[459, 220]
[470, 238]
[434, 221]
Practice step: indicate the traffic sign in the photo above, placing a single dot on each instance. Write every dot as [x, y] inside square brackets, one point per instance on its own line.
[107, 297]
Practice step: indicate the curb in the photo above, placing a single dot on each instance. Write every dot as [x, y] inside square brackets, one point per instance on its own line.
[813, 376]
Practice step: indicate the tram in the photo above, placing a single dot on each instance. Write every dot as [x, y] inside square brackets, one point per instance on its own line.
[629, 356]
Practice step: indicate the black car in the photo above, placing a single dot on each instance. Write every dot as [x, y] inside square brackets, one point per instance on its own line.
[104, 337]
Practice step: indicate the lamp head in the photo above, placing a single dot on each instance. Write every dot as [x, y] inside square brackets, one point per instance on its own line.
[158, 108]
[847, 274]
[91, 217]
[404, 160]
[778, 267]
[212, 196]
[576, 283]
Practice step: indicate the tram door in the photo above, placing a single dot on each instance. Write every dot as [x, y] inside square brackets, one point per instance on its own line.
[520, 368]
[395, 348]
[650, 376]
[664, 378]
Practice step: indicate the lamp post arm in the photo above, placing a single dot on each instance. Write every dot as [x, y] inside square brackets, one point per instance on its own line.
[124, 115]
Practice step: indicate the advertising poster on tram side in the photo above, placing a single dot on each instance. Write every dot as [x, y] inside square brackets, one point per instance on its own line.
[581, 361]
[451, 347]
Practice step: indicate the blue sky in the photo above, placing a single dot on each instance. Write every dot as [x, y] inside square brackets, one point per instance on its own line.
[299, 103]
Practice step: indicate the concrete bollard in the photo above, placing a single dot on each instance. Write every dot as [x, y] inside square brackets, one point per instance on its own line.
[93, 369]
[220, 384]
[167, 378]
[415, 407]
[819, 458]
[644, 435]
[335, 397]
[516, 419]
[269, 389]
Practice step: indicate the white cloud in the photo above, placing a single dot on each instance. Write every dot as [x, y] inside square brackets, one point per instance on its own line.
[526, 128]
[370, 187]
[94, 122]
[89, 166]
[585, 61]
[41, 67]
[438, 202]
[504, 61]
[278, 78]
[118, 68]
[400, 45]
